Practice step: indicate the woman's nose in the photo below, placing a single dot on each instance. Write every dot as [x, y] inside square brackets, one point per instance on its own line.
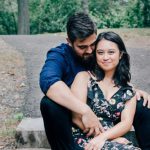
[105, 56]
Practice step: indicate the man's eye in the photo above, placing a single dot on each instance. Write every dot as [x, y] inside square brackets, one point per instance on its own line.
[93, 46]
[82, 47]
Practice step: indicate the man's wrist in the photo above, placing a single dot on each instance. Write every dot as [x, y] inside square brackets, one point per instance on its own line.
[85, 109]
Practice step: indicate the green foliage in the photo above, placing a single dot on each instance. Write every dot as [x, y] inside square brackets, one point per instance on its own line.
[107, 14]
[8, 13]
[18, 116]
[120, 13]
[146, 13]
[51, 15]
[134, 16]
[7, 23]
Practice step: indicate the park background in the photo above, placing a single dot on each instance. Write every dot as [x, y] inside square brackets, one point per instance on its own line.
[29, 28]
[47, 16]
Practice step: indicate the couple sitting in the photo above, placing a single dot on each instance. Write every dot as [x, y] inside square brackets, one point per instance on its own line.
[101, 100]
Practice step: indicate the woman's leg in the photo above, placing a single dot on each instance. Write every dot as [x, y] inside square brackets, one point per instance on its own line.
[142, 125]
[57, 122]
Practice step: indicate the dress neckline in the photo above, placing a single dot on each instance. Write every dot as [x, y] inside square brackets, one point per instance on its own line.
[99, 88]
[112, 94]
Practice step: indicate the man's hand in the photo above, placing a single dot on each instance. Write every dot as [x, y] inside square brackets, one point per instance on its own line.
[145, 95]
[91, 123]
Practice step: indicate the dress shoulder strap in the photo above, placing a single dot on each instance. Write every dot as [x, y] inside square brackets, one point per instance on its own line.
[91, 75]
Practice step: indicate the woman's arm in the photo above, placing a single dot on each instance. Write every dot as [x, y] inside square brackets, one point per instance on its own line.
[125, 124]
[119, 129]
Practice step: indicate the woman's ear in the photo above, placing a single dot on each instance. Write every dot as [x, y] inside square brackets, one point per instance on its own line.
[121, 54]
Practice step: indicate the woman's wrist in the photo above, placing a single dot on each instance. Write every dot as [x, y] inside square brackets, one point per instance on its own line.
[103, 136]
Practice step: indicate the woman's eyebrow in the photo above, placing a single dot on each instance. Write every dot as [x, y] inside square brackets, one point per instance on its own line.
[107, 49]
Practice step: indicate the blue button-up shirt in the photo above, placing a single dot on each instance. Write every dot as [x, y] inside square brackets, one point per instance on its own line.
[61, 65]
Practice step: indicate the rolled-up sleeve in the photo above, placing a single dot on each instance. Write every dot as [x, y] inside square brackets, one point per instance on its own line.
[52, 71]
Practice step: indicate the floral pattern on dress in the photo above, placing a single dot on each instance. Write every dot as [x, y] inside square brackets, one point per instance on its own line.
[108, 112]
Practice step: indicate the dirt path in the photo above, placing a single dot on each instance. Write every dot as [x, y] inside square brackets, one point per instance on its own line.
[13, 90]
[33, 48]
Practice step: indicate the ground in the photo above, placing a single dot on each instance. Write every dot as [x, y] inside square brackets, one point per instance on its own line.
[21, 59]
[12, 87]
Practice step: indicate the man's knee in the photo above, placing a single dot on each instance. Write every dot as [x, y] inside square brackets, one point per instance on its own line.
[48, 104]
[51, 109]
[142, 112]
[142, 125]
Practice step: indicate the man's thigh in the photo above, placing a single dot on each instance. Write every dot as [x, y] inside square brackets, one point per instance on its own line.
[142, 125]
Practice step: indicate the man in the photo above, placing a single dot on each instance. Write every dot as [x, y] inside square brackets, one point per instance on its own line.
[60, 68]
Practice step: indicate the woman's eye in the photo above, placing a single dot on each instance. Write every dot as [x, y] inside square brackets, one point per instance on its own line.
[111, 52]
[100, 53]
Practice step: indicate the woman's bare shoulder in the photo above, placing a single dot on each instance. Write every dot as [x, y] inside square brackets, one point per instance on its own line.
[83, 75]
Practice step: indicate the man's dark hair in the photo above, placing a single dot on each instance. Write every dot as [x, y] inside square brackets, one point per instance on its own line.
[122, 74]
[80, 26]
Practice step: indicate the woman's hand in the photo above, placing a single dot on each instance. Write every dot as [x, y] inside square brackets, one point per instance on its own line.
[121, 140]
[96, 143]
[145, 95]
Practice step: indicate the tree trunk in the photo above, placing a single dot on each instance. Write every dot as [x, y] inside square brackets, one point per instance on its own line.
[23, 17]
[85, 6]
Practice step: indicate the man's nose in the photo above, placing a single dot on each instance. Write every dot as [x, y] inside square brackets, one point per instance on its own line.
[89, 50]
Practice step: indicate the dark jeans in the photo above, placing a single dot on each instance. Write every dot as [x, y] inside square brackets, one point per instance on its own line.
[57, 122]
[142, 125]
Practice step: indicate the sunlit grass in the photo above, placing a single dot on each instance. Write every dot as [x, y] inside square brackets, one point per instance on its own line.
[8, 129]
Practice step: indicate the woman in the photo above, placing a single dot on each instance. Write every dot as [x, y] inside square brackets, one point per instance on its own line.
[107, 91]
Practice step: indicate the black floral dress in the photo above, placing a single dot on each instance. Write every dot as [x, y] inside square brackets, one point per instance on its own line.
[108, 112]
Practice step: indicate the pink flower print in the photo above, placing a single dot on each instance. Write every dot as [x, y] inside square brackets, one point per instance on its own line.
[124, 96]
[79, 140]
[117, 114]
[119, 105]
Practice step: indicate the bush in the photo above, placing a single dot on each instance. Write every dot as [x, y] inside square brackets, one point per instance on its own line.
[52, 15]
[8, 17]
[107, 14]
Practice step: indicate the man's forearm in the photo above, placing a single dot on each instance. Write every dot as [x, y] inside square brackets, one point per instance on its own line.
[62, 95]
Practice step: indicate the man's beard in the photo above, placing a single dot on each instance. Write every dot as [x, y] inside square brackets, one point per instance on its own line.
[85, 59]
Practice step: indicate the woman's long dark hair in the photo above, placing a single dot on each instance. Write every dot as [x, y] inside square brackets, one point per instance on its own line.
[122, 74]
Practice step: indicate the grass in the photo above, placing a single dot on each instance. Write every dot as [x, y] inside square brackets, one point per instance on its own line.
[8, 130]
